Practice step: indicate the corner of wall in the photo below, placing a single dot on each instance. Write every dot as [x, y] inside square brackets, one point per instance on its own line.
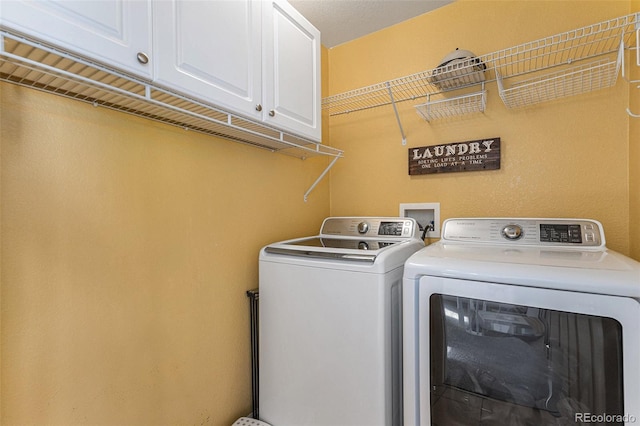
[634, 153]
[1, 310]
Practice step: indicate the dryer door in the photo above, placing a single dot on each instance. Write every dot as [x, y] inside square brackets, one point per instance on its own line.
[498, 354]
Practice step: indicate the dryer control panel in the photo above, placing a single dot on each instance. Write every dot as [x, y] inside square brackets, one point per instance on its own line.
[370, 227]
[525, 231]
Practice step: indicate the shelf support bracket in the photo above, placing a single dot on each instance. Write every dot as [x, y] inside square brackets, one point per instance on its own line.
[306, 194]
[621, 60]
[632, 114]
[622, 66]
[395, 109]
[637, 48]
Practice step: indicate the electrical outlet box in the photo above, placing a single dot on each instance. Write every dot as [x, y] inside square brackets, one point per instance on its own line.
[426, 214]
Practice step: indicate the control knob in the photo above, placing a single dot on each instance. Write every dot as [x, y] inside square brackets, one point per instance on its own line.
[362, 245]
[512, 232]
[363, 227]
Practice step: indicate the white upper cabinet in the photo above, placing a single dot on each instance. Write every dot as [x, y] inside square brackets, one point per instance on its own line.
[210, 50]
[114, 32]
[291, 61]
[259, 59]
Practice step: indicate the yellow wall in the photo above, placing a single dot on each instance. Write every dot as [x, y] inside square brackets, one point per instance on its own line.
[127, 247]
[561, 159]
[634, 155]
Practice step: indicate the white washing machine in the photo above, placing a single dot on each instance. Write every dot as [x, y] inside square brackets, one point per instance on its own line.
[521, 322]
[330, 324]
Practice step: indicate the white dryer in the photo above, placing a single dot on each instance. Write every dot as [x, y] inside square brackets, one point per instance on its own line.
[511, 321]
[330, 324]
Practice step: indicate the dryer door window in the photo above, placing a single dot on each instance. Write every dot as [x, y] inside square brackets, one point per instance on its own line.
[500, 363]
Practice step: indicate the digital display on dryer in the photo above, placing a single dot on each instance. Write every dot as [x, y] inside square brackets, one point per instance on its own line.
[550, 233]
[390, 228]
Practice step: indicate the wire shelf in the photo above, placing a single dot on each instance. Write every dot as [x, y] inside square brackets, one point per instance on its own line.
[404, 88]
[573, 81]
[566, 48]
[447, 108]
[31, 64]
[559, 51]
[416, 86]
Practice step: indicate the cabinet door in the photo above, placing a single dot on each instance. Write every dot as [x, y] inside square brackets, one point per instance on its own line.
[211, 50]
[113, 32]
[291, 61]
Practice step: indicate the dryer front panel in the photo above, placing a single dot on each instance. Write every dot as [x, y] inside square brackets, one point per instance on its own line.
[482, 353]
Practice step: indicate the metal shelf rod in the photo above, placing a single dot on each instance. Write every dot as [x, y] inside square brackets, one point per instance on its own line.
[306, 194]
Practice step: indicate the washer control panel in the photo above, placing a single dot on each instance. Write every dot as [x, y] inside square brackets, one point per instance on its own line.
[378, 227]
[525, 231]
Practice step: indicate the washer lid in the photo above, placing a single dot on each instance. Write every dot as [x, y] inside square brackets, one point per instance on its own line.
[365, 244]
[320, 247]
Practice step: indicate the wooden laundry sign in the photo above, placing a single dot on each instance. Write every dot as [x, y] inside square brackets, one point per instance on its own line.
[483, 154]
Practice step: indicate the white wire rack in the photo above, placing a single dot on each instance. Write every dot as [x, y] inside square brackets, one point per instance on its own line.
[411, 87]
[571, 81]
[32, 64]
[552, 55]
[403, 89]
[452, 107]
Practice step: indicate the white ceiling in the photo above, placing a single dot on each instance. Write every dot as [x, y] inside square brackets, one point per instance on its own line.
[340, 21]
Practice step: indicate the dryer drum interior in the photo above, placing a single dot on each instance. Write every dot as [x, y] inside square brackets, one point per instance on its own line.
[501, 362]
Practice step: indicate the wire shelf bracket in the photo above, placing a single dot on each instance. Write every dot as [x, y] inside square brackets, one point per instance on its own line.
[322, 175]
[637, 64]
[631, 113]
[395, 110]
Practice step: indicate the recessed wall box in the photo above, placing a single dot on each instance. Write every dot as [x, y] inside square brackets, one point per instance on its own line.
[426, 214]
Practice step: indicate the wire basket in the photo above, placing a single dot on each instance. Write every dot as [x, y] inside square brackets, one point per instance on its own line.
[571, 81]
[446, 108]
